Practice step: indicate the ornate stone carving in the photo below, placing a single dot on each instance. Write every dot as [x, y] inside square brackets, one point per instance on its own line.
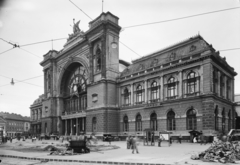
[154, 62]
[192, 48]
[76, 31]
[141, 67]
[172, 56]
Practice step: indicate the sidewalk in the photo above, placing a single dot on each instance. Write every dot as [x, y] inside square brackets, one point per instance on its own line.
[175, 154]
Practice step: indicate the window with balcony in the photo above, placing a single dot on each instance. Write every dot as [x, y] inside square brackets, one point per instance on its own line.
[138, 123]
[126, 97]
[191, 119]
[171, 88]
[154, 92]
[192, 87]
[228, 89]
[139, 95]
[171, 123]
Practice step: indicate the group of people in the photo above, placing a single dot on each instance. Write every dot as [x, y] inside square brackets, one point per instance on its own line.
[132, 143]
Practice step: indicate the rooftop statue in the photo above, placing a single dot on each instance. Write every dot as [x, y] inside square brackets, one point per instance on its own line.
[76, 26]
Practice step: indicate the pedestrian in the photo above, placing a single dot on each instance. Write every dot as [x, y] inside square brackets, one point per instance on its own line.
[11, 139]
[134, 145]
[180, 139]
[152, 139]
[202, 139]
[128, 143]
[170, 140]
[160, 141]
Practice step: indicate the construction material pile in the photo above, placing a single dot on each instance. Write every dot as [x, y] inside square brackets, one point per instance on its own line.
[223, 152]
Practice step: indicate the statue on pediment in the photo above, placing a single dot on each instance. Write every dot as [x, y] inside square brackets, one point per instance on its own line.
[76, 31]
[76, 26]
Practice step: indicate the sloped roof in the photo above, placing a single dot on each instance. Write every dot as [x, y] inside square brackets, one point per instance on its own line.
[14, 116]
[179, 50]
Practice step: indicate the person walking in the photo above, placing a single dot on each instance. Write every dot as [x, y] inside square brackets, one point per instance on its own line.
[134, 145]
[180, 139]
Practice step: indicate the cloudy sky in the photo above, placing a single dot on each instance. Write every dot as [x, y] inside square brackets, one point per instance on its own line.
[29, 22]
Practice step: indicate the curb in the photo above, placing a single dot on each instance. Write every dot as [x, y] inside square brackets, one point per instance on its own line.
[80, 161]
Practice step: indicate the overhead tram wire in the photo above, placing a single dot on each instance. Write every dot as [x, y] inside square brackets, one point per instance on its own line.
[6, 51]
[30, 53]
[80, 9]
[23, 81]
[175, 19]
[92, 19]
[42, 42]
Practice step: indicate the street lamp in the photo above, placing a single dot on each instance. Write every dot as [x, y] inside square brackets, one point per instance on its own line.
[12, 82]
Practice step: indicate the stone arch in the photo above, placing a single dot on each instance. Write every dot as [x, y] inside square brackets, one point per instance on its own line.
[66, 66]
[170, 109]
[189, 71]
[191, 107]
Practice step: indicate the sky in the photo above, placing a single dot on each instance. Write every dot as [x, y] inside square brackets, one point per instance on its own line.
[28, 22]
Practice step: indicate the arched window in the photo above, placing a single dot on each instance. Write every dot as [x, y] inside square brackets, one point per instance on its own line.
[139, 95]
[98, 59]
[153, 121]
[74, 88]
[216, 118]
[126, 97]
[223, 120]
[171, 88]
[171, 123]
[191, 83]
[191, 119]
[94, 124]
[154, 92]
[138, 122]
[229, 120]
[125, 124]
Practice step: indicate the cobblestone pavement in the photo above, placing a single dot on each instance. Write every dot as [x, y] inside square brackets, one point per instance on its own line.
[177, 154]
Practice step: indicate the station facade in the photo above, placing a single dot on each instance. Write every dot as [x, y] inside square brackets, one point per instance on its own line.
[87, 88]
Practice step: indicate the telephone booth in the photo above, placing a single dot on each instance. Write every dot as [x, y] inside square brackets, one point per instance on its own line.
[149, 137]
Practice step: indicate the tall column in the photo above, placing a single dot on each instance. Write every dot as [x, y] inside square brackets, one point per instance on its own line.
[162, 89]
[145, 89]
[66, 127]
[83, 124]
[132, 101]
[180, 85]
[71, 127]
[77, 127]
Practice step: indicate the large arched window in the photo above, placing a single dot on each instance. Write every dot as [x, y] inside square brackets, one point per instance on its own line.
[125, 124]
[216, 118]
[223, 120]
[139, 95]
[229, 120]
[191, 119]
[171, 123]
[171, 88]
[94, 124]
[138, 123]
[154, 92]
[74, 88]
[126, 97]
[153, 121]
[191, 83]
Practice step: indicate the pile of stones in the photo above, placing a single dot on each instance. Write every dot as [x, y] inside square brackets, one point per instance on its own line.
[223, 152]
